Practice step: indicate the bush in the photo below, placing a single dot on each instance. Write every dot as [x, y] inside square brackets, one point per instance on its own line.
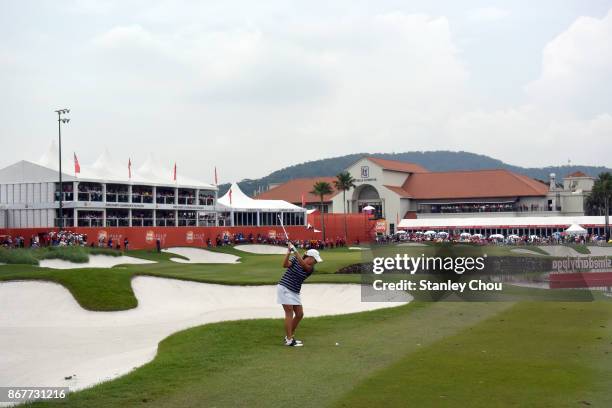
[70, 254]
[103, 251]
[17, 256]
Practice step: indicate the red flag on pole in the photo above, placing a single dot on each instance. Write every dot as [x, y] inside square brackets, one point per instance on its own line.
[303, 201]
[216, 181]
[230, 196]
[77, 166]
[174, 173]
[129, 168]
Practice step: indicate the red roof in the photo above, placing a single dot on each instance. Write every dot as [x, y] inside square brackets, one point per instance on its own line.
[577, 174]
[399, 191]
[472, 184]
[292, 190]
[395, 165]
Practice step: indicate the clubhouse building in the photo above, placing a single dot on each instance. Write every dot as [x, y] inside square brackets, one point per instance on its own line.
[409, 196]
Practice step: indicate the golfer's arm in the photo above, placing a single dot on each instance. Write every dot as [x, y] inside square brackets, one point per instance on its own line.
[286, 260]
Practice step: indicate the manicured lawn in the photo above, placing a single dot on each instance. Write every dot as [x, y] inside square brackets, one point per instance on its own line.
[424, 355]
[110, 289]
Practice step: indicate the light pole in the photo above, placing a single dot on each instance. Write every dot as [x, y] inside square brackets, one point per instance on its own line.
[61, 120]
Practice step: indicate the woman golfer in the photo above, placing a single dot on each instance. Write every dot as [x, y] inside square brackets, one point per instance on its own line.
[288, 289]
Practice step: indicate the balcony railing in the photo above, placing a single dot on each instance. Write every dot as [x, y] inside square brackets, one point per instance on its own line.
[142, 198]
[67, 222]
[142, 222]
[117, 197]
[90, 196]
[206, 201]
[117, 222]
[165, 222]
[165, 199]
[67, 196]
[186, 200]
[90, 222]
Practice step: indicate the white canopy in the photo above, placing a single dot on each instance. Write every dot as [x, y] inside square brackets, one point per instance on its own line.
[108, 169]
[576, 229]
[240, 201]
[368, 208]
[499, 222]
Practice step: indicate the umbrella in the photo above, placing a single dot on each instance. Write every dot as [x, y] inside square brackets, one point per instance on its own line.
[479, 236]
[513, 236]
[430, 232]
[465, 234]
[444, 233]
[496, 236]
[368, 208]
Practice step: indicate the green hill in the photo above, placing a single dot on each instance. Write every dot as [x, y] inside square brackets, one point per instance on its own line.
[434, 161]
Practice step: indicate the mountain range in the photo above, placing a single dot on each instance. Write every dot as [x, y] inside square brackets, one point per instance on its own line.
[431, 160]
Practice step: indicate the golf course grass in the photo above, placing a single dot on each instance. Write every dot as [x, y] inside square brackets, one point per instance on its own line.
[424, 354]
[109, 289]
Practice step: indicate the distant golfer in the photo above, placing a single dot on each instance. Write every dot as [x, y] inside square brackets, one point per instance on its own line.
[288, 289]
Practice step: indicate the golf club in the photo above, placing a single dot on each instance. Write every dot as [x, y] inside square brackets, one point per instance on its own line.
[280, 219]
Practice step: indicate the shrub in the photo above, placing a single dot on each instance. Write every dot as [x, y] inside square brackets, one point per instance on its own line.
[17, 256]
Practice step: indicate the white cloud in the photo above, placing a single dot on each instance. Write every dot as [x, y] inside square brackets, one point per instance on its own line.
[576, 67]
[487, 14]
[206, 87]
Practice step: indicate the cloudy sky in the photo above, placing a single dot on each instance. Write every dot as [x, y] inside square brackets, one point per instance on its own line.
[255, 86]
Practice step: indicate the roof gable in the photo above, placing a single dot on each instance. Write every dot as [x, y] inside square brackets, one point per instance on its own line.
[395, 165]
[293, 190]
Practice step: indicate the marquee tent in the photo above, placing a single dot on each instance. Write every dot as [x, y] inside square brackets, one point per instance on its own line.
[241, 209]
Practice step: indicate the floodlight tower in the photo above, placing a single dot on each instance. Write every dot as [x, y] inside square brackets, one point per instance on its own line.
[61, 120]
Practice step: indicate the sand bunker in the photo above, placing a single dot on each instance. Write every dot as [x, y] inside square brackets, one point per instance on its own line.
[46, 336]
[357, 249]
[198, 255]
[524, 251]
[95, 261]
[262, 249]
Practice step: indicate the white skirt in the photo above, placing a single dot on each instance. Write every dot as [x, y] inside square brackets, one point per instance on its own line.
[285, 296]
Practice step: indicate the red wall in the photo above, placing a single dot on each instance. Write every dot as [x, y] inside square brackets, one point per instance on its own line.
[359, 227]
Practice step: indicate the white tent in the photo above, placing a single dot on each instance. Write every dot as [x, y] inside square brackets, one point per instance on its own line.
[107, 168]
[236, 200]
[576, 229]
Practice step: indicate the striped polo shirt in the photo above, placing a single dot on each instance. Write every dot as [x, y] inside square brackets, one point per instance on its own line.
[294, 276]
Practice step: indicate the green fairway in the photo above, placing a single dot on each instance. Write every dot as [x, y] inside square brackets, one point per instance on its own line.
[425, 354]
[435, 354]
[110, 289]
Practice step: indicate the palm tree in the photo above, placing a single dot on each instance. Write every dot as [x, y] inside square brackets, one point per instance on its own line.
[600, 198]
[344, 181]
[321, 189]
